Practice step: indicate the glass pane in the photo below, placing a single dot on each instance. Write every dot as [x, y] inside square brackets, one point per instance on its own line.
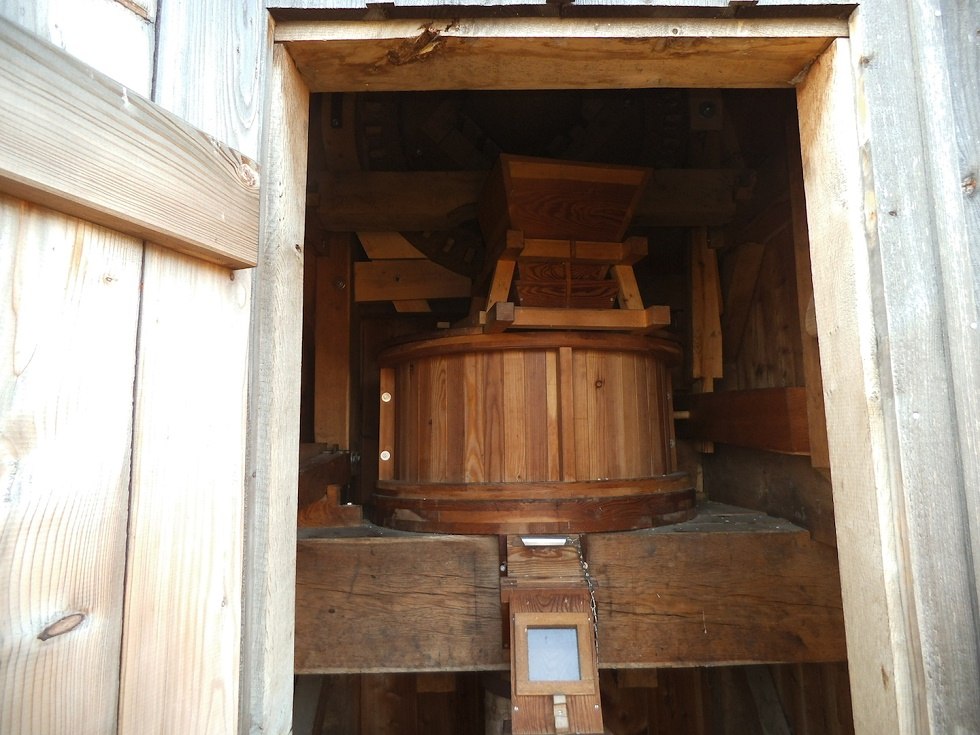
[552, 654]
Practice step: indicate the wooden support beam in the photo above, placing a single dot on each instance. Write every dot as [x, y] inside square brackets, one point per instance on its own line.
[388, 246]
[635, 52]
[731, 586]
[627, 252]
[738, 296]
[706, 339]
[319, 467]
[411, 201]
[396, 280]
[76, 141]
[773, 419]
[816, 415]
[505, 315]
[332, 343]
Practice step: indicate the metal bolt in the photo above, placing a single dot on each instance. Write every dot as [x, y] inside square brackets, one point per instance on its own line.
[386, 397]
[385, 455]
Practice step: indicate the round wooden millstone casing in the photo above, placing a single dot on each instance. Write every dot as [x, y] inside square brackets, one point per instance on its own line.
[554, 432]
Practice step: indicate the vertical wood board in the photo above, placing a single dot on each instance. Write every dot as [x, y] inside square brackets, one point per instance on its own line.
[68, 339]
[184, 579]
[274, 397]
[182, 634]
[102, 33]
[871, 558]
[332, 348]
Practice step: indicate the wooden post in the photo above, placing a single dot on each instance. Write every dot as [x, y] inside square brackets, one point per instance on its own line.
[895, 293]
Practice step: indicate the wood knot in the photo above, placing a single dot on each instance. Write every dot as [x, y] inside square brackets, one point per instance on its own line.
[62, 626]
[970, 184]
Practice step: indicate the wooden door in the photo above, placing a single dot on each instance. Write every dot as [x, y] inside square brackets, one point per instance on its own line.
[126, 328]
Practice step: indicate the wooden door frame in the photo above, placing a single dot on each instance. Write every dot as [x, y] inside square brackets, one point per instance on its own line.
[888, 677]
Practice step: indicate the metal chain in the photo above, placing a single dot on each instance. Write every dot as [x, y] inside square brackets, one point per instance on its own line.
[591, 585]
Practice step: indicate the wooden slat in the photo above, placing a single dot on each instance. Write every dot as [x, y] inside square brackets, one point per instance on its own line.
[816, 416]
[332, 343]
[738, 296]
[706, 337]
[842, 290]
[270, 551]
[387, 280]
[918, 298]
[439, 200]
[68, 333]
[442, 591]
[541, 317]
[388, 246]
[104, 35]
[547, 53]
[78, 142]
[734, 587]
[773, 419]
[184, 574]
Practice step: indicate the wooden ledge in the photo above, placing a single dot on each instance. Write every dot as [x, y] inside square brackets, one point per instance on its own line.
[730, 586]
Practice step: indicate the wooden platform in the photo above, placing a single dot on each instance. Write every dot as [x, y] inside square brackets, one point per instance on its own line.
[730, 586]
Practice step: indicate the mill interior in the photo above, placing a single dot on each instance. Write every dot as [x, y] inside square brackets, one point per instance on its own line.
[683, 523]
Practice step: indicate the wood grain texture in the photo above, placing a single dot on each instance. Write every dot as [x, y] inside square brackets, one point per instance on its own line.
[764, 591]
[774, 419]
[923, 232]
[647, 604]
[332, 343]
[878, 655]
[101, 33]
[184, 577]
[270, 550]
[441, 200]
[68, 336]
[441, 593]
[387, 280]
[184, 571]
[536, 53]
[810, 348]
[81, 143]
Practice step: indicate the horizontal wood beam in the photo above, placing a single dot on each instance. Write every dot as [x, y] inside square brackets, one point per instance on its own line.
[78, 142]
[773, 419]
[412, 201]
[554, 53]
[731, 586]
[400, 280]
[504, 315]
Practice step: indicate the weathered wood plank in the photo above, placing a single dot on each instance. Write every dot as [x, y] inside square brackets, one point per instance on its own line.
[760, 587]
[183, 577]
[878, 631]
[773, 419]
[78, 142]
[441, 593]
[550, 53]
[816, 416]
[923, 231]
[332, 343]
[68, 336]
[440, 200]
[270, 550]
[718, 593]
[738, 295]
[103, 34]
[388, 280]
[781, 485]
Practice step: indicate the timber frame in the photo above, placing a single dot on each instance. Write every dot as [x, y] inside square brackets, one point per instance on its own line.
[894, 282]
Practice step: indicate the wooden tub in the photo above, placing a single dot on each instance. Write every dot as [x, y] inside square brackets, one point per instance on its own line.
[546, 432]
